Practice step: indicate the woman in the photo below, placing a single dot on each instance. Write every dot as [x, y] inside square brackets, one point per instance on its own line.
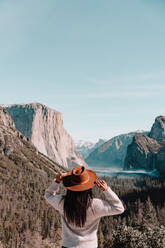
[80, 213]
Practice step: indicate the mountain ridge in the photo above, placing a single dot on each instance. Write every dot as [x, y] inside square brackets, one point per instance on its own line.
[112, 152]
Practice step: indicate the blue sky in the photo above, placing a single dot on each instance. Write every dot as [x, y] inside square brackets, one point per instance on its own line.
[100, 63]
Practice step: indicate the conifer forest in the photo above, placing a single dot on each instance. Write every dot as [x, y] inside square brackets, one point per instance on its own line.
[27, 220]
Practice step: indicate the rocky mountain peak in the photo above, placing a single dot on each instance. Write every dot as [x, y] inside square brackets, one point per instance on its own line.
[158, 129]
[44, 127]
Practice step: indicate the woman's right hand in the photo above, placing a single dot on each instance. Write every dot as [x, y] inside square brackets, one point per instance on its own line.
[60, 176]
[102, 185]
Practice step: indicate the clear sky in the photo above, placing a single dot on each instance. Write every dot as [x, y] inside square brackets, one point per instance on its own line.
[101, 63]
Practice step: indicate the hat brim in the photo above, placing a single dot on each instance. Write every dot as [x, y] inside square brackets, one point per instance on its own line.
[80, 187]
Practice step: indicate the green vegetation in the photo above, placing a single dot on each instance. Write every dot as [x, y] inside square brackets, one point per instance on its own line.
[142, 225]
[28, 221]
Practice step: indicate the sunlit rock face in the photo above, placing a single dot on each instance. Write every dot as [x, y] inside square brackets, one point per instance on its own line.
[43, 126]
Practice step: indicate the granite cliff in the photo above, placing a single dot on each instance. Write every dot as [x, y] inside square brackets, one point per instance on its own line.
[148, 151]
[43, 126]
[141, 153]
[111, 153]
[15, 148]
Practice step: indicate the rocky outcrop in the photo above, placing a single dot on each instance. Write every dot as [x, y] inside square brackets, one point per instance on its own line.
[8, 133]
[148, 152]
[158, 129]
[141, 153]
[43, 126]
[111, 153]
[5, 120]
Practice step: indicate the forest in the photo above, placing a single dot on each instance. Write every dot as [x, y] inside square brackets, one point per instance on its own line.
[27, 220]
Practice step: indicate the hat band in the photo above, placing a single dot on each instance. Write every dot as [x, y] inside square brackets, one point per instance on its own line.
[79, 179]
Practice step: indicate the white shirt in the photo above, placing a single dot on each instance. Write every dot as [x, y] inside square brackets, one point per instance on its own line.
[84, 237]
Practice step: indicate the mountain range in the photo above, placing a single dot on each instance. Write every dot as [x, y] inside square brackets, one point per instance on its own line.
[43, 128]
[112, 152]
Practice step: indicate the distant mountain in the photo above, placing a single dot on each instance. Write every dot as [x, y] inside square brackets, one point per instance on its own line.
[148, 151]
[86, 147]
[112, 152]
[43, 126]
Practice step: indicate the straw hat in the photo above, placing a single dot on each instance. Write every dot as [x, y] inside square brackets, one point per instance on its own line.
[80, 179]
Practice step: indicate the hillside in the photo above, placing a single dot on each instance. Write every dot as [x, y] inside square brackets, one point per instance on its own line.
[24, 175]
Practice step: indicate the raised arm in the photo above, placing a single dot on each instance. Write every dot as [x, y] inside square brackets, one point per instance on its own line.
[112, 205]
[50, 193]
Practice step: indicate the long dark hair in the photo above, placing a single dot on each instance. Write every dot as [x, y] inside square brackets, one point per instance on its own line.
[76, 204]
